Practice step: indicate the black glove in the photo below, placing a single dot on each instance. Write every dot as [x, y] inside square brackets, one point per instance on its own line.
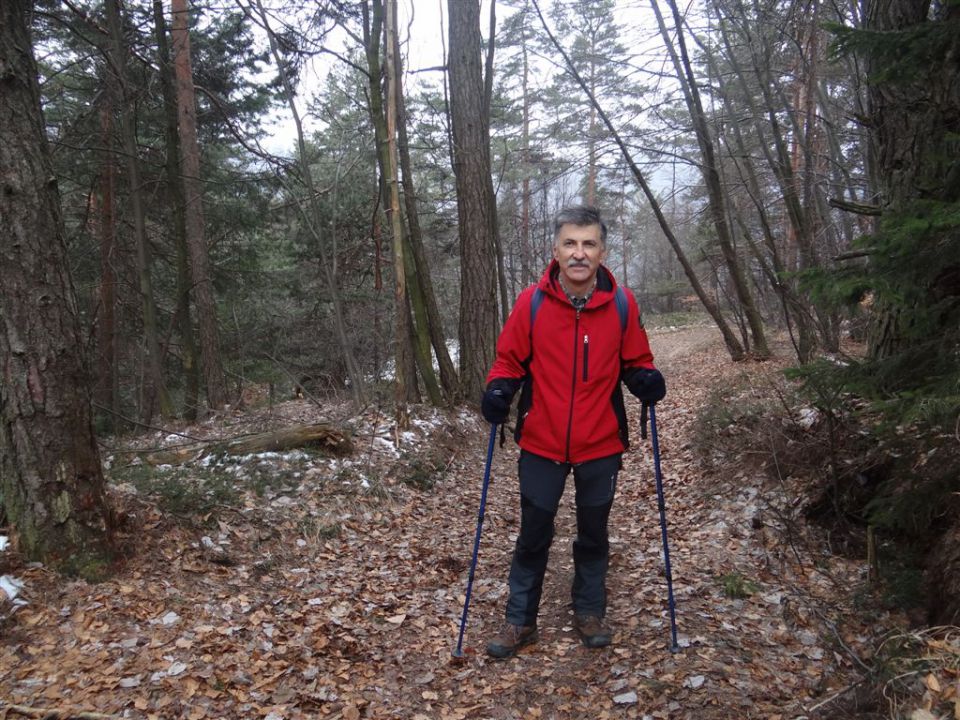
[647, 385]
[495, 404]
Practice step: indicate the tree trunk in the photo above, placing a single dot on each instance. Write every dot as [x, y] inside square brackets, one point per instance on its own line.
[414, 350]
[476, 211]
[108, 394]
[328, 438]
[913, 127]
[128, 134]
[51, 484]
[402, 344]
[434, 322]
[188, 349]
[216, 387]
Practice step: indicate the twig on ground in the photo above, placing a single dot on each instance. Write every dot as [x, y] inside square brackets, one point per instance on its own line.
[836, 695]
[52, 713]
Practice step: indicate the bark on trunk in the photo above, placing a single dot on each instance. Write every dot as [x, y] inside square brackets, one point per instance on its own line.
[476, 211]
[188, 347]
[51, 484]
[405, 380]
[214, 380]
[913, 130]
[322, 436]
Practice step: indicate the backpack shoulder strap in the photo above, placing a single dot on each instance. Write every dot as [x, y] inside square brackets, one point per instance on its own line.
[621, 299]
[535, 302]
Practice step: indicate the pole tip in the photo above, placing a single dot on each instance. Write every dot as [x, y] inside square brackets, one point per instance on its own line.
[457, 657]
[674, 648]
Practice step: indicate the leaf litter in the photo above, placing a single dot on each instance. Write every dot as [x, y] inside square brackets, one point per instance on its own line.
[332, 587]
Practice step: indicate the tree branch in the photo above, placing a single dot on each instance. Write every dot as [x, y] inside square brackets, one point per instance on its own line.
[857, 208]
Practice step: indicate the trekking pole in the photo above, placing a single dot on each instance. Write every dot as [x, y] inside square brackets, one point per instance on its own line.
[458, 653]
[674, 647]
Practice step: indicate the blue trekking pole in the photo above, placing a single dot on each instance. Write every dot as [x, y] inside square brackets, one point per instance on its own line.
[458, 653]
[663, 526]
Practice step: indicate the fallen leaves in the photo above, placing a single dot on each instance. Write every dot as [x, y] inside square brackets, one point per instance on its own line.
[345, 587]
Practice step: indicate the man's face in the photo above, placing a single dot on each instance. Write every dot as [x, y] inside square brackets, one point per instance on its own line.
[579, 251]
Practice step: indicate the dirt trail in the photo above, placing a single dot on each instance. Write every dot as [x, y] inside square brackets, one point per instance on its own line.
[344, 599]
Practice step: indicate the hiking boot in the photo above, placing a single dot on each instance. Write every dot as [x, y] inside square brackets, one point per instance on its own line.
[592, 630]
[510, 639]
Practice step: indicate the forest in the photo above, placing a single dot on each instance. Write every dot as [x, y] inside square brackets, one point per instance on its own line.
[255, 256]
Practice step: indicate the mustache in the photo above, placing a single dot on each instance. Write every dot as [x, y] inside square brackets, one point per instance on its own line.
[578, 263]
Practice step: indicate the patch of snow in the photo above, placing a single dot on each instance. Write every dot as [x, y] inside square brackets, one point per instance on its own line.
[808, 417]
[627, 698]
[170, 618]
[10, 586]
[694, 682]
[4, 541]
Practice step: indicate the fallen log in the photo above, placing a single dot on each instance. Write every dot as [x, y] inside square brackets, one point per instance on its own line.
[322, 436]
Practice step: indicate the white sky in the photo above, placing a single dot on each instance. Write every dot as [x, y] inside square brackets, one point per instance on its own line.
[423, 31]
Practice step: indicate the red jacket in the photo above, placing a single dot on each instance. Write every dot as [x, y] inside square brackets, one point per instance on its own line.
[571, 406]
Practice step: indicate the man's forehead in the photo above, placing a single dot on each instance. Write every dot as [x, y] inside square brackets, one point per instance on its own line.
[569, 230]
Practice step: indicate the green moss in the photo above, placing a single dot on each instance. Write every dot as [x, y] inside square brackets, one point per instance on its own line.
[90, 565]
[737, 586]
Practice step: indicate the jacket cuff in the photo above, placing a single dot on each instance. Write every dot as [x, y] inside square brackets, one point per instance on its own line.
[508, 386]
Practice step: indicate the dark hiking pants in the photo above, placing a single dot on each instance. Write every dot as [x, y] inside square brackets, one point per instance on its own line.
[541, 487]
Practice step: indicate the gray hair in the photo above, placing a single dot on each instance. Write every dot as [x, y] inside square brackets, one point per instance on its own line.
[579, 215]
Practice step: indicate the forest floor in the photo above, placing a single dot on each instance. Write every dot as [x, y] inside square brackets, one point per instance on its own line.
[296, 585]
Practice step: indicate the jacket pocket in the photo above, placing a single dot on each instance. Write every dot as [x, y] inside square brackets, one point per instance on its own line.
[586, 355]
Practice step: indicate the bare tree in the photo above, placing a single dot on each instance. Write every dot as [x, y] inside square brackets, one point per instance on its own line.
[711, 175]
[734, 347]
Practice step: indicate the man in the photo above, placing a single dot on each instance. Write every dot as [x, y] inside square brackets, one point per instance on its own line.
[567, 346]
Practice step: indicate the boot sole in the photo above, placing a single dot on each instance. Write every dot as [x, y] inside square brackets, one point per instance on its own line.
[596, 641]
[501, 652]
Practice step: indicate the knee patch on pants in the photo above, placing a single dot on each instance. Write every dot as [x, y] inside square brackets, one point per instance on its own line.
[536, 526]
[592, 529]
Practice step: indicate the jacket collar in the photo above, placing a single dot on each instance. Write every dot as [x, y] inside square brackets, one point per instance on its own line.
[606, 284]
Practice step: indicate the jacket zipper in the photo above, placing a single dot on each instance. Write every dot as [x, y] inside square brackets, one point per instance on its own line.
[573, 379]
[586, 348]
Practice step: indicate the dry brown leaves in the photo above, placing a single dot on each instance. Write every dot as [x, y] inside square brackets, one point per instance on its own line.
[340, 597]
